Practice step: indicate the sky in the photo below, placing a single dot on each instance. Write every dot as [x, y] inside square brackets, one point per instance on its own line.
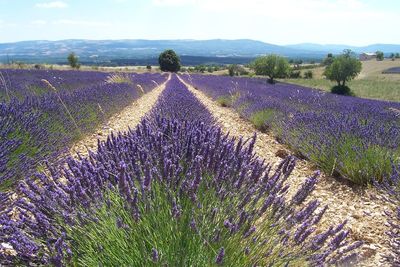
[351, 22]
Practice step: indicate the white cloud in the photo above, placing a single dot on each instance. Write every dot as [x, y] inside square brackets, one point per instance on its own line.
[174, 2]
[54, 4]
[87, 23]
[38, 22]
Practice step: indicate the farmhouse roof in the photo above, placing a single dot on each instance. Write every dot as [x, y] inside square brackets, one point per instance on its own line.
[370, 54]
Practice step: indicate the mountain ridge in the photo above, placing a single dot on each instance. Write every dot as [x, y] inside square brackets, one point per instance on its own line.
[106, 51]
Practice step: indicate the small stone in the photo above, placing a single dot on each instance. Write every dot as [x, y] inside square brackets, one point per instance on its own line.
[368, 252]
[282, 153]
[356, 216]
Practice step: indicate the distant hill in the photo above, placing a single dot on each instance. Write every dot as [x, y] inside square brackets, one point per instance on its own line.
[129, 52]
[338, 48]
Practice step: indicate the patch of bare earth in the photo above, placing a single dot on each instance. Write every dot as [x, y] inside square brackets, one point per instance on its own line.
[129, 117]
[364, 209]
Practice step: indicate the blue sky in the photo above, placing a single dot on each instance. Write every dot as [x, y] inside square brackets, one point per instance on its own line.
[353, 22]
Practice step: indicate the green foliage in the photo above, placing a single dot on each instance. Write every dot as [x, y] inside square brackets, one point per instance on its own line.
[232, 70]
[273, 66]
[228, 100]
[379, 55]
[148, 67]
[73, 61]
[342, 90]
[262, 119]
[397, 55]
[295, 74]
[308, 74]
[130, 242]
[200, 68]
[210, 69]
[169, 61]
[358, 166]
[343, 68]
[26, 147]
[224, 101]
[328, 60]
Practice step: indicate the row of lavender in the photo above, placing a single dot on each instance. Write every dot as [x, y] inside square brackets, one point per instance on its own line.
[38, 127]
[355, 138]
[175, 191]
[19, 84]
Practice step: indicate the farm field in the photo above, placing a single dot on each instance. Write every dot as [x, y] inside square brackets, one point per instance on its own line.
[43, 112]
[371, 83]
[354, 138]
[198, 171]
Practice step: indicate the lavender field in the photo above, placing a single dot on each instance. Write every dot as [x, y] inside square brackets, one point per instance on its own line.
[353, 138]
[42, 112]
[175, 190]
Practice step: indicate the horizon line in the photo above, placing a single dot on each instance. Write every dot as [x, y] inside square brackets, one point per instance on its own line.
[190, 39]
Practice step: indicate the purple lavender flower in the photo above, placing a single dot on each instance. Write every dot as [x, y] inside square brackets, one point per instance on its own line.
[154, 255]
[220, 256]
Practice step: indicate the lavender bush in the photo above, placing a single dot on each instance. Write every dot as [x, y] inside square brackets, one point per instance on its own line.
[36, 126]
[174, 191]
[351, 137]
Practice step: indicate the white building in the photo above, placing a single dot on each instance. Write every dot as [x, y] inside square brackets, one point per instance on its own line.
[367, 56]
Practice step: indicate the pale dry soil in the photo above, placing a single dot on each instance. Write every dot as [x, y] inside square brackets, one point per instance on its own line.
[129, 117]
[364, 209]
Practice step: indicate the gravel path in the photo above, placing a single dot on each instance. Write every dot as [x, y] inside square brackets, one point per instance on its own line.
[362, 208]
[128, 117]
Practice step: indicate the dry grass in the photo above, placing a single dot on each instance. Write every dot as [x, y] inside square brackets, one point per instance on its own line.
[120, 77]
[371, 83]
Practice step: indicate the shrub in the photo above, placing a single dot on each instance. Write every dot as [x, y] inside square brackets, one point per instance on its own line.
[169, 61]
[232, 70]
[148, 67]
[200, 68]
[295, 74]
[379, 55]
[342, 90]
[308, 74]
[73, 61]
[261, 119]
[224, 101]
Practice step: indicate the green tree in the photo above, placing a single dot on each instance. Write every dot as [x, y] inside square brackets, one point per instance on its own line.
[233, 70]
[397, 55]
[343, 69]
[148, 67]
[73, 61]
[169, 61]
[328, 60]
[379, 55]
[273, 66]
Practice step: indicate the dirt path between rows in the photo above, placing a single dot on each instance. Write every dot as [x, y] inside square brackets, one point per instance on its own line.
[129, 117]
[363, 210]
